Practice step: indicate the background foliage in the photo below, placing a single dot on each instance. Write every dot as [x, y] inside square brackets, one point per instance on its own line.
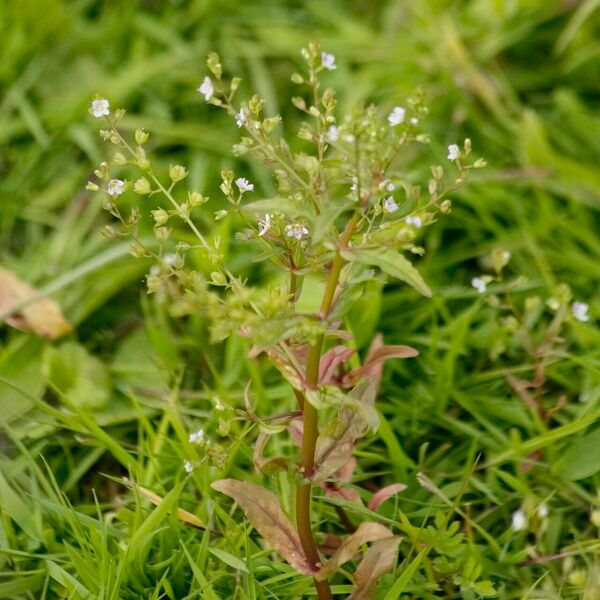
[120, 395]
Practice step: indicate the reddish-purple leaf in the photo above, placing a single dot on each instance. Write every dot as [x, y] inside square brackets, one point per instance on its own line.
[379, 497]
[264, 512]
[331, 360]
[366, 532]
[378, 560]
[335, 443]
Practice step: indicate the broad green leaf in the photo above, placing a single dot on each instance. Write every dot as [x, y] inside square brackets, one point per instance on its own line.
[580, 460]
[366, 532]
[392, 263]
[264, 512]
[79, 375]
[378, 560]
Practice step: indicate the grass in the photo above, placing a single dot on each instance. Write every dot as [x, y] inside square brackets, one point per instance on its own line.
[520, 79]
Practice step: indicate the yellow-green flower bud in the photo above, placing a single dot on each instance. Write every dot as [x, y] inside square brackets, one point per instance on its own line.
[119, 159]
[142, 186]
[177, 173]
[160, 216]
[141, 137]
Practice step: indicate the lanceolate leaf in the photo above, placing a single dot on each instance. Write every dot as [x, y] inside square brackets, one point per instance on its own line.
[378, 560]
[264, 512]
[390, 262]
[336, 441]
[366, 532]
[379, 497]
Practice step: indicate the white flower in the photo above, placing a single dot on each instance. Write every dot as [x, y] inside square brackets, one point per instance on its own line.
[328, 61]
[354, 185]
[389, 186]
[169, 259]
[100, 107]
[542, 511]
[244, 185]
[115, 187]
[333, 133]
[207, 88]
[188, 466]
[264, 225]
[453, 152]
[197, 436]
[519, 520]
[580, 311]
[479, 284]
[414, 121]
[414, 221]
[296, 230]
[349, 137]
[241, 118]
[389, 205]
[396, 116]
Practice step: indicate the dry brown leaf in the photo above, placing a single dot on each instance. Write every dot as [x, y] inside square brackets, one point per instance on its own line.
[182, 515]
[264, 512]
[379, 497]
[43, 317]
[366, 532]
[378, 560]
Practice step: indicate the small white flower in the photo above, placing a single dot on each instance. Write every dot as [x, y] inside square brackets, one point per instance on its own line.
[519, 520]
[542, 511]
[241, 118]
[389, 186]
[349, 137]
[479, 284]
[453, 152]
[333, 133]
[414, 221]
[580, 311]
[328, 61]
[296, 230]
[414, 121]
[264, 225]
[396, 116]
[354, 185]
[100, 107]
[188, 466]
[207, 88]
[197, 437]
[389, 205]
[115, 187]
[169, 259]
[244, 185]
[506, 255]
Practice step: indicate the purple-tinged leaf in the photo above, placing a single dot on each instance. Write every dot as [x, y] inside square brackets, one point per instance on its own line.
[378, 560]
[331, 360]
[379, 497]
[366, 532]
[263, 510]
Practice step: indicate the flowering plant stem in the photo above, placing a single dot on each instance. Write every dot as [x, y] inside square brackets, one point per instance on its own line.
[310, 431]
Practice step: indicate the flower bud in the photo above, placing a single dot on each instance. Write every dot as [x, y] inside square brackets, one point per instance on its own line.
[141, 137]
[213, 62]
[437, 172]
[270, 124]
[177, 173]
[141, 159]
[255, 105]
[235, 84]
[196, 199]
[220, 214]
[217, 278]
[446, 207]
[119, 159]
[297, 78]
[137, 250]
[119, 114]
[142, 186]
[91, 186]
[109, 232]
[160, 216]
[184, 210]
[162, 233]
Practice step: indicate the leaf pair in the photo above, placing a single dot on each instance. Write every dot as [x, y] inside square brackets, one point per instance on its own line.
[263, 510]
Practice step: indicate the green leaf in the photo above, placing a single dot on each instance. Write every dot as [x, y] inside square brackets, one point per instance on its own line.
[229, 559]
[485, 589]
[287, 206]
[81, 377]
[582, 459]
[392, 263]
[407, 574]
